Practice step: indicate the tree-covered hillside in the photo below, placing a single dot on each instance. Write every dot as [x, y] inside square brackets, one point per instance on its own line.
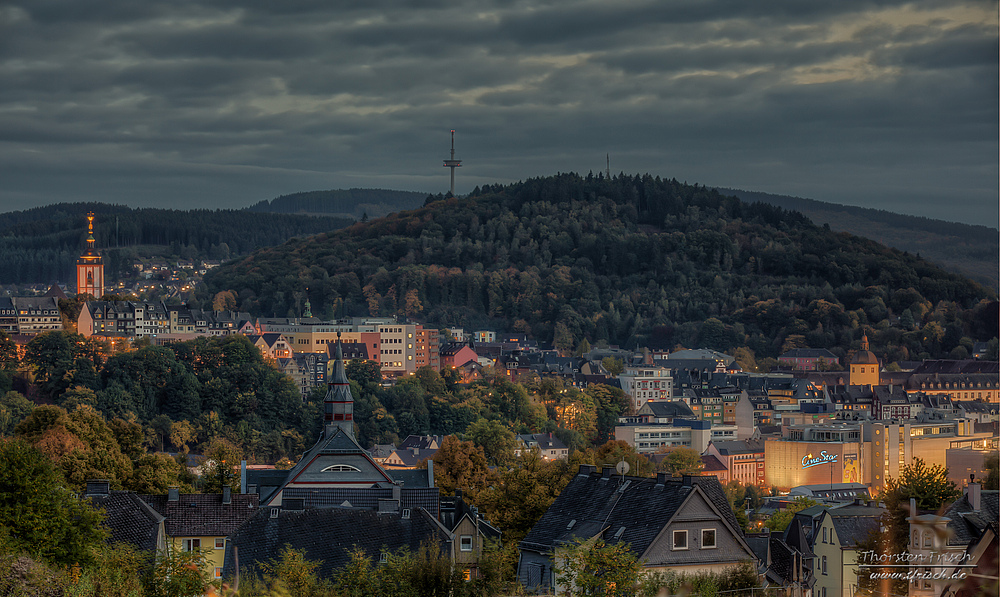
[353, 203]
[41, 245]
[631, 260]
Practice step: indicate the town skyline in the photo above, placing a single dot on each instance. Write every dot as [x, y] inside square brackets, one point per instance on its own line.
[888, 105]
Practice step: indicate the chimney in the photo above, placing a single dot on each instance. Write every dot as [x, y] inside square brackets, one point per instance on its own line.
[227, 495]
[587, 469]
[662, 478]
[687, 480]
[607, 472]
[397, 492]
[975, 496]
[173, 494]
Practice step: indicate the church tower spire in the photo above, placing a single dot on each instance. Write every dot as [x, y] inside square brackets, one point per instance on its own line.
[90, 266]
[338, 406]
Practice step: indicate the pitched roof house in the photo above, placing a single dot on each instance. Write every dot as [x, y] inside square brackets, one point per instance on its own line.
[684, 524]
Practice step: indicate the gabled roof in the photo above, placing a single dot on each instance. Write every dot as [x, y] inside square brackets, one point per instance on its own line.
[203, 514]
[853, 527]
[130, 519]
[711, 464]
[328, 535]
[544, 441]
[633, 510]
[967, 523]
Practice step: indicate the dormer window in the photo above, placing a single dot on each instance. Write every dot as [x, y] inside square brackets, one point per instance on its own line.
[341, 468]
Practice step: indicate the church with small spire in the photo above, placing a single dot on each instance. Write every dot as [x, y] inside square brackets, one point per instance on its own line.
[338, 472]
[90, 266]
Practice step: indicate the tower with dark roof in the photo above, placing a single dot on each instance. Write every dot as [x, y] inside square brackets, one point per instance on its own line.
[865, 366]
[338, 405]
[90, 266]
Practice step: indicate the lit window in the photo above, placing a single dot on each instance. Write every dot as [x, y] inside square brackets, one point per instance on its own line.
[218, 572]
[220, 543]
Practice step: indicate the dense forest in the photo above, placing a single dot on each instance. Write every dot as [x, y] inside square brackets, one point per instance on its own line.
[41, 245]
[632, 260]
[971, 250]
[354, 203]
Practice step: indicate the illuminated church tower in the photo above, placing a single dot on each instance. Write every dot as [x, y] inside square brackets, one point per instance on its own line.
[90, 266]
[865, 366]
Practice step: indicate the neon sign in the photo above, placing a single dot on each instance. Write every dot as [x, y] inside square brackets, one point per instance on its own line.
[809, 461]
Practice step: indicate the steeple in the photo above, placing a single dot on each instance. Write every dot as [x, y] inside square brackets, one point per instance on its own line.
[338, 406]
[90, 266]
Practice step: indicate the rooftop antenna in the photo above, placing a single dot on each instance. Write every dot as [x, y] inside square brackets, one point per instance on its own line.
[453, 163]
[608, 171]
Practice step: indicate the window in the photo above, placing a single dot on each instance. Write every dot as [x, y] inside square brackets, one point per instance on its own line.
[927, 540]
[466, 543]
[824, 534]
[190, 544]
[218, 572]
[341, 468]
[824, 564]
[383, 557]
[708, 539]
[680, 539]
[220, 543]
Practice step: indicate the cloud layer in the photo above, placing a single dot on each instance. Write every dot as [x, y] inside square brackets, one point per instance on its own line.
[891, 105]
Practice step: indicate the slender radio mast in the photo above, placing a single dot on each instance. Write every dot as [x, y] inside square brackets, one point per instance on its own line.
[453, 163]
[609, 167]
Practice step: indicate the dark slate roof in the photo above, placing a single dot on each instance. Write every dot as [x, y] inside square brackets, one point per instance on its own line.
[203, 514]
[421, 442]
[328, 535]
[665, 409]
[967, 524]
[750, 446]
[711, 463]
[411, 477]
[644, 507]
[129, 518]
[956, 367]
[851, 530]
[758, 542]
[806, 353]
[544, 441]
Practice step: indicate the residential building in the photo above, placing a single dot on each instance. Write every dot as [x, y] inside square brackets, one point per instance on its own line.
[966, 538]
[809, 359]
[649, 438]
[743, 459]
[456, 354]
[272, 345]
[471, 532]
[683, 525]
[8, 316]
[36, 315]
[129, 519]
[203, 521]
[645, 382]
[428, 351]
[835, 542]
[549, 446]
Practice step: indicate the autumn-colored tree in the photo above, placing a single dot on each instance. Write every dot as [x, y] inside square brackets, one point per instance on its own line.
[780, 520]
[461, 465]
[38, 514]
[610, 454]
[592, 567]
[524, 492]
[682, 461]
[224, 300]
[14, 408]
[498, 442]
[220, 468]
[613, 365]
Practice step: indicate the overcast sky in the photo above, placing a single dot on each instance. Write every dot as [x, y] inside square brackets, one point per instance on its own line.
[892, 105]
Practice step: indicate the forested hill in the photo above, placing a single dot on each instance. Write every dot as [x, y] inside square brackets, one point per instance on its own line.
[971, 250]
[353, 203]
[41, 245]
[631, 260]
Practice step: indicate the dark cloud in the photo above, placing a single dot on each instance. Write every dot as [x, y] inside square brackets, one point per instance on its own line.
[891, 104]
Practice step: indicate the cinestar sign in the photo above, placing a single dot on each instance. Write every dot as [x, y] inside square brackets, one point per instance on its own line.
[808, 461]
